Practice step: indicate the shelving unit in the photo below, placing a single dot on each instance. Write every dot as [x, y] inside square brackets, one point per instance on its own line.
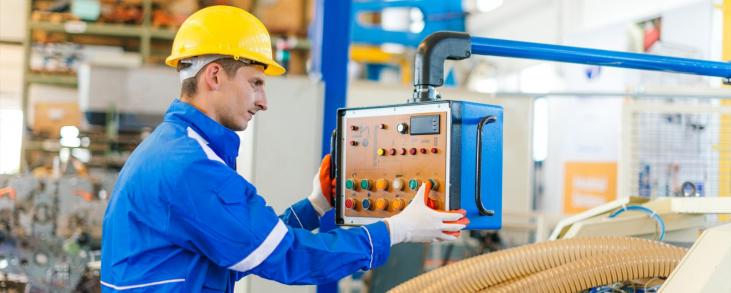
[149, 41]
[144, 32]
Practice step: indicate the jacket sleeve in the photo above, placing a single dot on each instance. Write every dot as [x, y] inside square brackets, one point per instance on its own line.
[234, 228]
[301, 215]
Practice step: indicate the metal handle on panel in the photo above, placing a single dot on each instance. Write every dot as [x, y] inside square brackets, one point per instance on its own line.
[334, 161]
[478, 171]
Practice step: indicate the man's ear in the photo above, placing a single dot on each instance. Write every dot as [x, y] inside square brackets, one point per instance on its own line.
[212, 76]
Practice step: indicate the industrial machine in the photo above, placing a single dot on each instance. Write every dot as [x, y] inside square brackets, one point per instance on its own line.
[593, 261]
[383, 154]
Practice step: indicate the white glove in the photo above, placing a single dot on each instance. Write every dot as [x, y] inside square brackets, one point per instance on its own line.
[419, 223]
[323, 188]
[317, 198]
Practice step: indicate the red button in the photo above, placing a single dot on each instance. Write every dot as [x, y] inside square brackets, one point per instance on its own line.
[349, 203]
[431, 203]
[434, 150]
[422, 150]
[403, 151]
[392, 152]
[413, 151]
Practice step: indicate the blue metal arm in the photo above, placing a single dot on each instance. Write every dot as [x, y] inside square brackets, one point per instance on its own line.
[445, 45]
[508, 48]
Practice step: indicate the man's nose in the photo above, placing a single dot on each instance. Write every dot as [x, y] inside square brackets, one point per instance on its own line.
[261, 102]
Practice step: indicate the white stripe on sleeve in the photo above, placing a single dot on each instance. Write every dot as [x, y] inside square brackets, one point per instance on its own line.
[265, 249]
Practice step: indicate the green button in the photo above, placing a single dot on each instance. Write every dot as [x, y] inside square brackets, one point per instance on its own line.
[365, 184]
[413, 184]
[349, 184]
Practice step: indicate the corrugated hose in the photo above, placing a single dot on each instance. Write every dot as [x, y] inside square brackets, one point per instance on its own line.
[542, 263]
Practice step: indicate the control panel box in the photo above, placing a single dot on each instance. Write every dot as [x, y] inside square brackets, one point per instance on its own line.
[383, 155]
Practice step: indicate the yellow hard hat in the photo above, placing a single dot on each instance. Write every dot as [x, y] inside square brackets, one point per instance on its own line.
[224, 30]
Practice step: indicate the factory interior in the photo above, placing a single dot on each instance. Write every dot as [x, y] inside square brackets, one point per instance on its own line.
[570, 145]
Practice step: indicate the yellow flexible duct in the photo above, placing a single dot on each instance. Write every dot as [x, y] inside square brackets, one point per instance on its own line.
[598, 270]
[476, 273]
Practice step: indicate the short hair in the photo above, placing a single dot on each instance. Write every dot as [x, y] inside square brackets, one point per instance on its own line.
[190, 85]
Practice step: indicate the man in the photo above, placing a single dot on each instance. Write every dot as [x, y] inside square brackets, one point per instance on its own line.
[182, 220]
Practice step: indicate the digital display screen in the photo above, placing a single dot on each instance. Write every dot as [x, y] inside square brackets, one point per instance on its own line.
[428, 124]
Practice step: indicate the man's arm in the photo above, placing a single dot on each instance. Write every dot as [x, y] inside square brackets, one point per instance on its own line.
[240, 232]
[301, 215]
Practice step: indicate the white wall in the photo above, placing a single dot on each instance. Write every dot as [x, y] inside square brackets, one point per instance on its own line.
[280, 154]
[12, 20]
[11, 76]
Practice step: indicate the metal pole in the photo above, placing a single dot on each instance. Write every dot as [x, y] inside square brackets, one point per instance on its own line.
[527, 50]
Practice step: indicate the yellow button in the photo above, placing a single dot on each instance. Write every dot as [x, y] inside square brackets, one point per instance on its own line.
[381, 204]
[396, 205]
[381, 184]
[381, 152]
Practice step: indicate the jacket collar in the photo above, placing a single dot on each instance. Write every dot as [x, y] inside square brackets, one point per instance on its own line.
[223, 141]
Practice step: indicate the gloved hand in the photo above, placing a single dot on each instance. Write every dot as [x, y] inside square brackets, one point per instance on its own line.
[419, 223]
[323, 188]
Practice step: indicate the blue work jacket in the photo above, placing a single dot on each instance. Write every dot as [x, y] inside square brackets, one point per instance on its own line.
[180, 219]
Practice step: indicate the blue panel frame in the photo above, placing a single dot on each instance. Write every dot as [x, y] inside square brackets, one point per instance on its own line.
[492, 164]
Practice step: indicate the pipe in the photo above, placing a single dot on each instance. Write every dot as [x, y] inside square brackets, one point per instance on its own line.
[598, 270]
[476, 273]
[548, 52]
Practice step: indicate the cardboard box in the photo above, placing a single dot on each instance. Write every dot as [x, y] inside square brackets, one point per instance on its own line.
[49, 117]
[298, 62]
[282, 16]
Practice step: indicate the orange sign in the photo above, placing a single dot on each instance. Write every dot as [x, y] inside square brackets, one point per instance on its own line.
[588, 184]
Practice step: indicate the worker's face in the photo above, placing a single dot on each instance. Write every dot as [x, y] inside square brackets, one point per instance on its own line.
[240, 97]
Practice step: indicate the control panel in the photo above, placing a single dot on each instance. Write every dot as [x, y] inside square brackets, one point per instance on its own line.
[387, 154]
[383, 154]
